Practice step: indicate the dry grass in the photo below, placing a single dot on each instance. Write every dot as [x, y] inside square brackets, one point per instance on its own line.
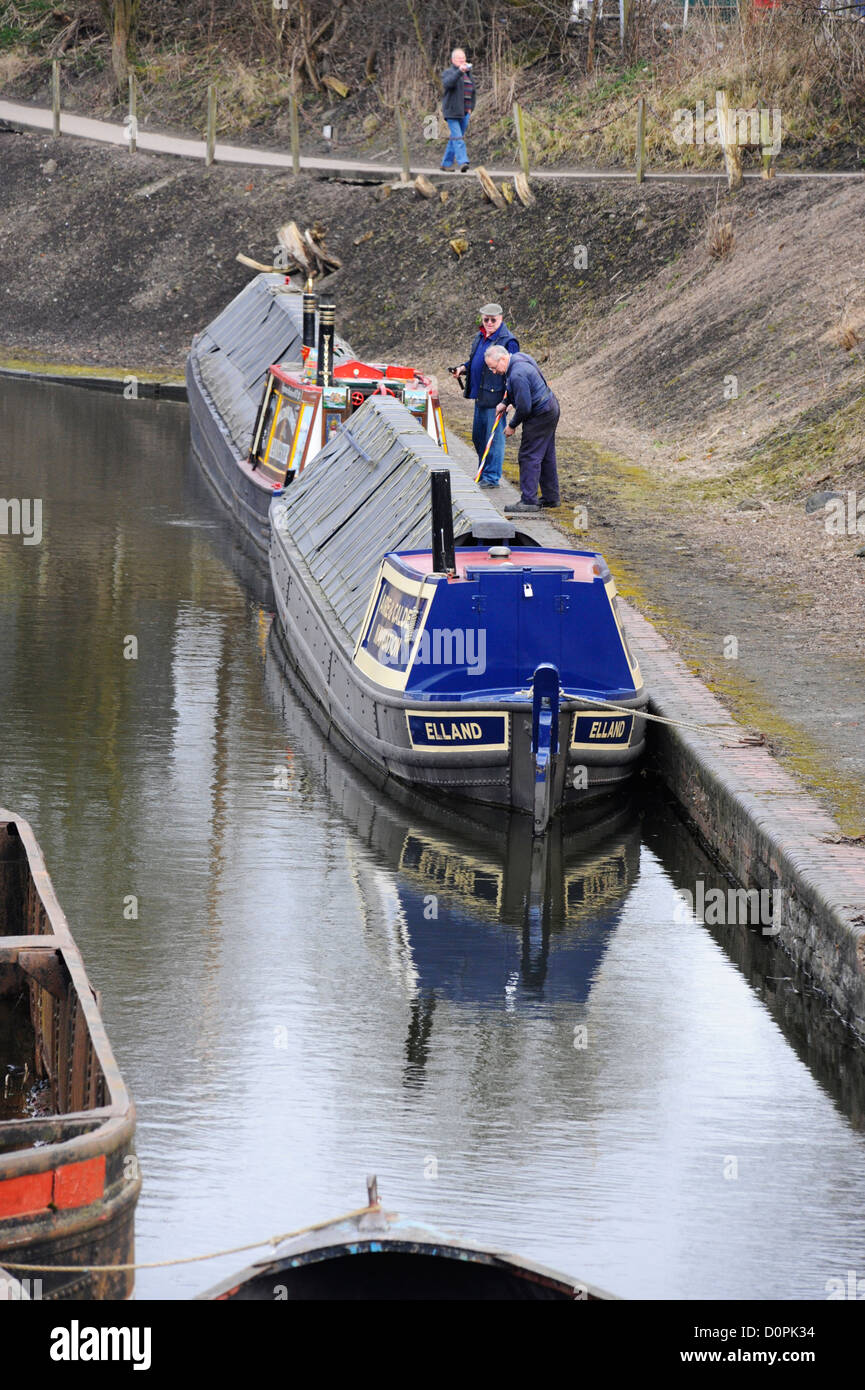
[719, 235]
[811, 69]
[14, 64]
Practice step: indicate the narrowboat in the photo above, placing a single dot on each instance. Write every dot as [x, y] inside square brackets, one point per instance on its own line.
[450, 650]
[374, 1255]
[269, 382]
[69, 1178]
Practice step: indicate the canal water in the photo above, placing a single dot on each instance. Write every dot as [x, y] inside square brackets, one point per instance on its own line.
[306, 981]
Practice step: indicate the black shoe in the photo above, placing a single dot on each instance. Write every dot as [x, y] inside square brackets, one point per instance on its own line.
[463, 168]
[522, 507]
[550, 504]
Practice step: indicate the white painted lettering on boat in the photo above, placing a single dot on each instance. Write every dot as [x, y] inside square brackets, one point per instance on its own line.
[466, 732]
[400, 614]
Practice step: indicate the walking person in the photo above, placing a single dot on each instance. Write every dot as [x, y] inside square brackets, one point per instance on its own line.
[537, 411]
[458, 102]
[487, 388]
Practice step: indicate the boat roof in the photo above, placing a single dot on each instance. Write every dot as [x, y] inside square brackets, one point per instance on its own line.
[583, 566]
[261, 326]
[368, 494]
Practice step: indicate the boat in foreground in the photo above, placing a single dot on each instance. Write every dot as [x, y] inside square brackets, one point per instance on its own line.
[375, 1255]
[69, 1178]
[482, 666]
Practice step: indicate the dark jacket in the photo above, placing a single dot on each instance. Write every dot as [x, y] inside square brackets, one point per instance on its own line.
[482, 385]
[527, 389]
[453, 95]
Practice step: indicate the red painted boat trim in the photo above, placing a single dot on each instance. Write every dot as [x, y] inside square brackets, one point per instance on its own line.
[64, 1188]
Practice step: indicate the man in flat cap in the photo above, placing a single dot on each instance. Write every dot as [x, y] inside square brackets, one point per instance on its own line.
[487, 389]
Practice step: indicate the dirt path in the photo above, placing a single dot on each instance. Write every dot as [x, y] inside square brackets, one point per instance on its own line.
[157, 142]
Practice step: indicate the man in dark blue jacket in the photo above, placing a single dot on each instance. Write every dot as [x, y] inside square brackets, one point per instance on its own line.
[458, 102]
[487, 389]
[537, 410]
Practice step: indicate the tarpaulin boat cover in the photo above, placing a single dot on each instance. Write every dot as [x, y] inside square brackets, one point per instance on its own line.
[262, 325]
[367, 493]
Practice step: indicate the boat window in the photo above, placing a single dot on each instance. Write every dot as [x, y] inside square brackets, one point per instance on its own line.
[264, 420]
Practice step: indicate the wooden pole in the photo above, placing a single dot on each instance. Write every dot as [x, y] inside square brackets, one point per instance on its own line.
[767, 148]
[211, 124]
[133, 113]
[641, 138]
[405, 176]
[295, 132]
[520, 128]
[729, 143]
[55, 96]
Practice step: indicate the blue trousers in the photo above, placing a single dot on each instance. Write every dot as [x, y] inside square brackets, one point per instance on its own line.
[537, 456]
[485, 418]
[456, 152]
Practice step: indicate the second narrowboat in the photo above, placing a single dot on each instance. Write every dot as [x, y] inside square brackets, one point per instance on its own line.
[269, 382]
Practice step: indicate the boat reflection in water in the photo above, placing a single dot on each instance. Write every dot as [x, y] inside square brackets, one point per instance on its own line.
[465, 904]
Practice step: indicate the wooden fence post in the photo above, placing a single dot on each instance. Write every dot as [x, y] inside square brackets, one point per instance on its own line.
[727, 134]
[211, 124]
[55, 96]
[405, 176]
[519, 127]
[133, 113]
[641, 138]
[295, 131]
[767, 144]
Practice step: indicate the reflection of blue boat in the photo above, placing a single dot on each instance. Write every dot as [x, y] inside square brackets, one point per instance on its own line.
[474, 958]
[469, 910]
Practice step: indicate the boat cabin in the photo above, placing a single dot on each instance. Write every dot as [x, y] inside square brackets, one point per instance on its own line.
[298, 415]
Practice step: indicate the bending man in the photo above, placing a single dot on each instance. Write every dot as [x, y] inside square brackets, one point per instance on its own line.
[537, 411]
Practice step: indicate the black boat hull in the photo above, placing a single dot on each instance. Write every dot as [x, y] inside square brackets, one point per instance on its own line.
[247, 500]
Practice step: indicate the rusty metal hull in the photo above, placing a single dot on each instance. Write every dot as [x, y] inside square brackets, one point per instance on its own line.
[69, 1178]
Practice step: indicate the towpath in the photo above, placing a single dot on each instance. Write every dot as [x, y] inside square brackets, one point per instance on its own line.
[108, 132]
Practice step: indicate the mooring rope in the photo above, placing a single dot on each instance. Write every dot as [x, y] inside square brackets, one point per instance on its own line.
[612, 707]
[195, 1259]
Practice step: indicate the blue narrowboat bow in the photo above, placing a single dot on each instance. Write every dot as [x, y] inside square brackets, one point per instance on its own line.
[483, 666]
